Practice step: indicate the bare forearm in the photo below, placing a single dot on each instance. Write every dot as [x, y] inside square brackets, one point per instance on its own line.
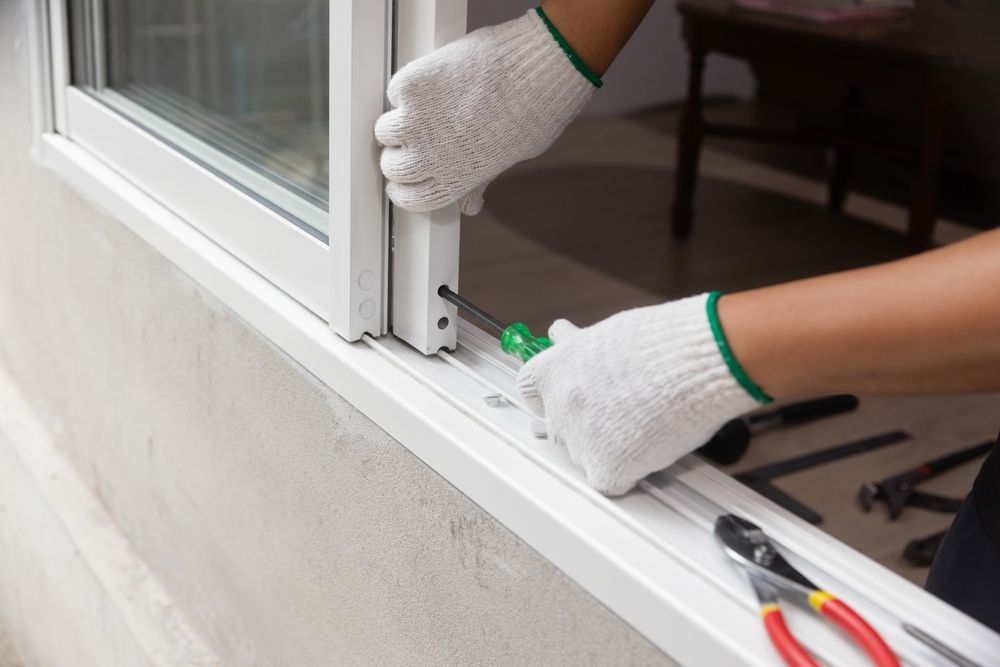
[926, 324]
[596, 29]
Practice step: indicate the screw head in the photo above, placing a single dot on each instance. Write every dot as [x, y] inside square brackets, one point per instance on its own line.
[495, 401]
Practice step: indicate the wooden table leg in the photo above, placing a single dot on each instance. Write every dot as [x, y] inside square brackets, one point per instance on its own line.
[688, 145]
[843, 158]
[840, 178]
[924, 196]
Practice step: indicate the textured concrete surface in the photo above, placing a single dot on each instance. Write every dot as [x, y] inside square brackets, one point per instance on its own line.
[292, 530]
[73, 591]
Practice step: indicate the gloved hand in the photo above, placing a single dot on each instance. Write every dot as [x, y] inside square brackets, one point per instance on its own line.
[633, 393]
[470, 110]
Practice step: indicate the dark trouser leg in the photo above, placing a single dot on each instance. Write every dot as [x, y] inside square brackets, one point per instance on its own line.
[688, 147]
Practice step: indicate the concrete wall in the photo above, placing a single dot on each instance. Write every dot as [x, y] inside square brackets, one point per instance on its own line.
[288, 527]
[651, 70]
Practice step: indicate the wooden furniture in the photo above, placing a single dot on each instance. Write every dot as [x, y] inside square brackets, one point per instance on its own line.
[935, 57]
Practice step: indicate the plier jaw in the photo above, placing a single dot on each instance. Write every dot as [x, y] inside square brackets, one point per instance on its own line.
[771, 574]
[754, 552]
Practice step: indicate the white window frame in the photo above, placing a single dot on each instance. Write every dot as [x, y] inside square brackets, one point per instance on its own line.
[343, 281]
[649, 556]
[425, 245]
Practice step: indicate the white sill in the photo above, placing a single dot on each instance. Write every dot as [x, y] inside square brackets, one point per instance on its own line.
[650, 556]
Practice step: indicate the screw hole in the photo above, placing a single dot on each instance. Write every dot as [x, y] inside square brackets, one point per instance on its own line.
[443, 323]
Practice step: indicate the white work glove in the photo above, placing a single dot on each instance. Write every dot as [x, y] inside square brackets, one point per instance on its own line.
[633, 393]
[470, 110]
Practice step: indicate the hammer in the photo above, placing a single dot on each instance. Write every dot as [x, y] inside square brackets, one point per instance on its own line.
[898, 492]
[732, 440]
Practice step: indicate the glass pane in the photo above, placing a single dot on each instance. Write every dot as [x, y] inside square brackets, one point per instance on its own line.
[240, 85]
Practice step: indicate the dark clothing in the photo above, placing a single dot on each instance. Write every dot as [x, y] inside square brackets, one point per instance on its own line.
[966, 570]
[987, 494]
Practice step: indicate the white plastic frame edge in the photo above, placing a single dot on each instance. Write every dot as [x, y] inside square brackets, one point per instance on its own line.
[280, 251]
[359, 229]
[36, 17]
[57, 39]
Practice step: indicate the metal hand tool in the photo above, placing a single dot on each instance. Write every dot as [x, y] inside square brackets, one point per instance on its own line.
[939, 646]
[732, 440]
[897, 491]
[515, 339]
[770, 575]
[759, 479]
[921, 551]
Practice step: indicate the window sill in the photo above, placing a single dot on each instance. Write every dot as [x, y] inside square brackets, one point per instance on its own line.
[650, 556]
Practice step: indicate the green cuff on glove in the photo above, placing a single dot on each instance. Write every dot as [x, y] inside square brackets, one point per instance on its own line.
[734, 366]
[578, 63]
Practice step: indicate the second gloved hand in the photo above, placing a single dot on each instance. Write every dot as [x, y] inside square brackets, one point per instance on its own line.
[633, 393]
[470, 110]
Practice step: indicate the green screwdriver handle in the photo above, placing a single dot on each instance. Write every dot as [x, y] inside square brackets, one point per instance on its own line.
[517, 340]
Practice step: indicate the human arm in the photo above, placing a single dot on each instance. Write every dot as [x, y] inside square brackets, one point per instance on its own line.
[596, 29]
[502, 94]
[631, 394]
[927, 324]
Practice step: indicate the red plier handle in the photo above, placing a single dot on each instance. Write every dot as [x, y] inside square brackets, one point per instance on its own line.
[839, 613]
[863, 634]
[788, 648]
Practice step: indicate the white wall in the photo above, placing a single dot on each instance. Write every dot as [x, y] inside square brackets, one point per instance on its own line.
[651, 70]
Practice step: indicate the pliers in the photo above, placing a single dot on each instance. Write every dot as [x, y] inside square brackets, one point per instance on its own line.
[770, 574]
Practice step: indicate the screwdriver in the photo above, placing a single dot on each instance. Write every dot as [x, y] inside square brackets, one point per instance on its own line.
[515, 339]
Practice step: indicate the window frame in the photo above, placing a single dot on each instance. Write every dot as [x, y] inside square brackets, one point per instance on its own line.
[649, 556]
[344, 280]
[425, 245]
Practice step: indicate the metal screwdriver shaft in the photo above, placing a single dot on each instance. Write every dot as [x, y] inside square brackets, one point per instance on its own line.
[516, 339]
[472, 309]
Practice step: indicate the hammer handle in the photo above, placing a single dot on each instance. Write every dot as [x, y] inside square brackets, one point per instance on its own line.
[805, 411]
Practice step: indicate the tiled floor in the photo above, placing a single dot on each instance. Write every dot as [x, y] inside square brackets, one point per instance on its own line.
[582, 233]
